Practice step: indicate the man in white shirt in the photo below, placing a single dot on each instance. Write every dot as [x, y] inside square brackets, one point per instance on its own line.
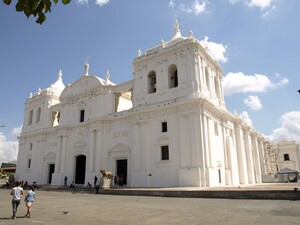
[16, 192]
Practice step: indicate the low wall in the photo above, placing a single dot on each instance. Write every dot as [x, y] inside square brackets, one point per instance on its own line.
[232, 194]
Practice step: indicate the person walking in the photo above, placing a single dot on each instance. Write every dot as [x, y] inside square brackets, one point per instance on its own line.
[29, 199]
[95, 181]
[16, 192]
[65, 181]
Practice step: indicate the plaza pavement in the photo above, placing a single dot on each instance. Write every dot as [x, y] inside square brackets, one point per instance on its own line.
[64, 208]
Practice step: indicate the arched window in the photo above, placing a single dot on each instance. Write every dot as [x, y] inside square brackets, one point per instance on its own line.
[55, 118]
[207, 80]
[38, 115]
[173, 76]
[151, 82]
[217, 88]
[30, 117]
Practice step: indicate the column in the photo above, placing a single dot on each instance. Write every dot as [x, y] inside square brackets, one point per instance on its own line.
[19, 162]
[99, 150]
[63, 154]
[58, 155]
[40, 160]
[91, 151]
[36, 158]
[202, 150]
[226, 165]
[241, 158]
[203, 78]
[136, 164]
[248, 150]
[209, 151]
[145, 146]
[184, 145]
[206, 149]
[261, 158]
[104, 152]
[194, 140]
[257, 168]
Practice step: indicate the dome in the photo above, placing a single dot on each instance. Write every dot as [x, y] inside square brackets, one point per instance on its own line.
[58, 85]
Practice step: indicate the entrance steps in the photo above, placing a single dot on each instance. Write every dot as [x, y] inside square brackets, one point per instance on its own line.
[272, 191]
[288, 191]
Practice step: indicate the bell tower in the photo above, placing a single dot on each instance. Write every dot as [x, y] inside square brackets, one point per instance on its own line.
[177, 70]
[37, 114]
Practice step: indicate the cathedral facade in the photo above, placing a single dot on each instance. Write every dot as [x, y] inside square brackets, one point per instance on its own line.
[167, 127]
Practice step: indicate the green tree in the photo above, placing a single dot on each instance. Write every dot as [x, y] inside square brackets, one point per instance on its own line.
[37, 8]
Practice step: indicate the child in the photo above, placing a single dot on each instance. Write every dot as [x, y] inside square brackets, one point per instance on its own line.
[29, 199]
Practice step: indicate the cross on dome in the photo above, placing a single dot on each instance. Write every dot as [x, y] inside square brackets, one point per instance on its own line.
[86, 68]
[176, 33]
[59, 75]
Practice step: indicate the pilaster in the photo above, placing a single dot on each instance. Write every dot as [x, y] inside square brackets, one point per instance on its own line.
[242, 164]
[249, 158]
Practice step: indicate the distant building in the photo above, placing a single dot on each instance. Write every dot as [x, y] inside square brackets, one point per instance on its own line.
[283, 162]
[287, 155]
[8, 167]
[168, 126]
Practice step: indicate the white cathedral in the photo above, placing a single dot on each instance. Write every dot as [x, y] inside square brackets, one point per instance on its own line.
[167, 127]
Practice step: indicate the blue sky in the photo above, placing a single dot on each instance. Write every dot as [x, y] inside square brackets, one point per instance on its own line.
[256, 42]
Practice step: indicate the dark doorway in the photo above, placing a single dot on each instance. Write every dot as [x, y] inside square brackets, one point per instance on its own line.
[80, 169]
[122, 169]
[220, 177]
[51, 171]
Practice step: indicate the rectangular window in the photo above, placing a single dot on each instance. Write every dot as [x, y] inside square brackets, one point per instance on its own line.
[286, 157]
[216, 129]
[29, 163]
[165, 152]
[81, 116]
[30, 146]
[164, 127]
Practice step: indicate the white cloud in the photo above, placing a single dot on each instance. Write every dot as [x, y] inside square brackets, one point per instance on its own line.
[199, 7]
[196, 7]
[290, 128]
[101, 2]
[262, 4]
[282, 82]
[16, 131]
[217, 51]
[97, 2]
[184, 8]
[267, 13]
[253, 102]
[234, 1]
[240, 82]
[8, 149]
[82, 2]
[171, 4]
[245, 117]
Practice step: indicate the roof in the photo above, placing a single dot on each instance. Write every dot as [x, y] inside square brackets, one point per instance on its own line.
[7, 165]
[287, 170]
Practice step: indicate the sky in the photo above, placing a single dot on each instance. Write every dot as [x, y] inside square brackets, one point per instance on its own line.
[256, 42]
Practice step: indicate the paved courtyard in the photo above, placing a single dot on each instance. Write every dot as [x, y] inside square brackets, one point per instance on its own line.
[61, 208]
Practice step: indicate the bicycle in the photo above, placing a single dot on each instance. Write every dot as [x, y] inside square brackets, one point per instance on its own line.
[74, 189]
[81, 189]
